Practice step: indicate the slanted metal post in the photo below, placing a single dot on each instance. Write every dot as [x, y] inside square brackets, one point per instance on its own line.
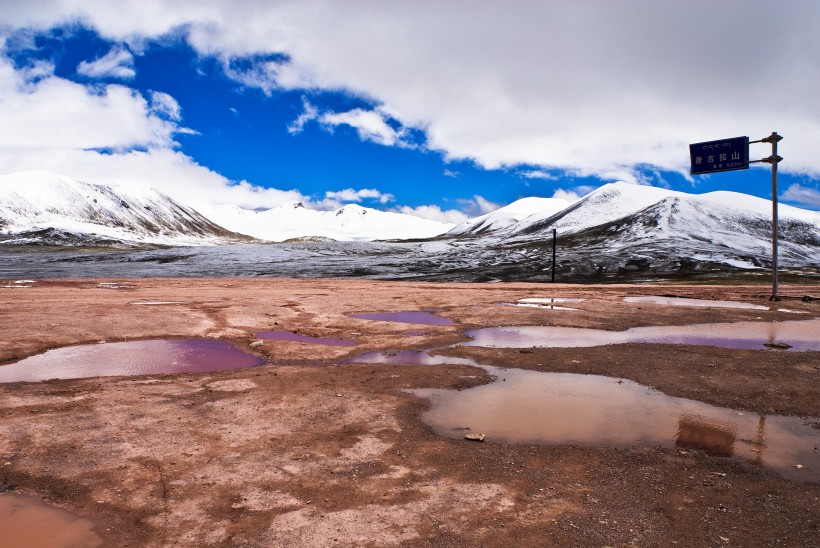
[774, 159]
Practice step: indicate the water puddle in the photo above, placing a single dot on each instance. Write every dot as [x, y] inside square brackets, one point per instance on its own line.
[681, 301]
[415, 333]
[539, 305]
[423, 318]
[27, 522]
[294, 337]
[18, 284]
[156, 303]
[563, 408]
[149, 357]
[792, 335]
[409, 357]
[550, 300]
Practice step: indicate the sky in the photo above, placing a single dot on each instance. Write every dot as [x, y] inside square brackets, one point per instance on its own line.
[446, 110]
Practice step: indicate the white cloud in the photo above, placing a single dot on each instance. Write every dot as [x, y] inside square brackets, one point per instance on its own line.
[167, 170]
[593, 87]
[54, 112]
[369, 124]
[537, 174]
[117, 63]
[451, 173]
[49, 123]
[477, 205]
[351, 195]
[569, 195]
[802, 195]
[434, 213]
[166, 106]
[308, 114]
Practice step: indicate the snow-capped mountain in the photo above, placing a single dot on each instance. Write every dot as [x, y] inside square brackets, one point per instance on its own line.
[42, 207]
[621, 228]
[349, 223]
[509, 215]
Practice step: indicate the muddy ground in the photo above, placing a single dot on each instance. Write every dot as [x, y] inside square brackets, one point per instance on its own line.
[310, 451]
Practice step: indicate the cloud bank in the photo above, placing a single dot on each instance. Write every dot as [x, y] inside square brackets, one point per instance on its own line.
[591, 87]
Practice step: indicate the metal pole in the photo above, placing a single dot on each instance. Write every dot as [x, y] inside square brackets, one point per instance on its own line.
[774, 159]
[554, 237]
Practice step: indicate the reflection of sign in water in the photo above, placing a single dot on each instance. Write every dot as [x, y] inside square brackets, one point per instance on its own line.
[715, 438]
[723, 155]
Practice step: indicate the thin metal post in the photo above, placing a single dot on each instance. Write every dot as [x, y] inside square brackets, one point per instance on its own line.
[774, 159]
[554, 237]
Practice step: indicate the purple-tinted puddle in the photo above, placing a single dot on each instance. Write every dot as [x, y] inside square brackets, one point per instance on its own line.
[149, 357]
[27, 522]
[797, 335]
[423, 318]
[681, 301]
[563, 408]
[295, 337]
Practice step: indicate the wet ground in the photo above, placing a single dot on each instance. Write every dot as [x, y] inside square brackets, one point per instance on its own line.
[315, 451]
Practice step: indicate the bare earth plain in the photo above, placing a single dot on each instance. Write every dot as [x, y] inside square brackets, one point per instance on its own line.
[311, 451]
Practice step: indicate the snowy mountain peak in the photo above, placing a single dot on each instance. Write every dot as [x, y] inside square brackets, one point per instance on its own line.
[509, 215]
[34, 201]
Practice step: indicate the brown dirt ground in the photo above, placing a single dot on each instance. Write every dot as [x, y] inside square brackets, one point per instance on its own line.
[325, 454]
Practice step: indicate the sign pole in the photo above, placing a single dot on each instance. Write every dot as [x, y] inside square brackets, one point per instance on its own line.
[554, 237]
[774, 159]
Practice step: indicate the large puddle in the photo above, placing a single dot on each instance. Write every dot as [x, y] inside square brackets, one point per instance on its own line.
[295, 337]
[423, 318]
[27, 522]
[682, 301]
[797, 335]
[129, 358]
[563, 408]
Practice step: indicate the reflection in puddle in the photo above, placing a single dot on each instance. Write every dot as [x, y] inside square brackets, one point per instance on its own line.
[680, 301]
[550, 300]
[538, 305]
[28, 522]
[409, 357]
[799, 335]
[424, 318]
[294, 337]
[129, 358]
[564, 408]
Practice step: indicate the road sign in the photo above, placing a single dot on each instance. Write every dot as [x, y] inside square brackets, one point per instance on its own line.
[722, 155]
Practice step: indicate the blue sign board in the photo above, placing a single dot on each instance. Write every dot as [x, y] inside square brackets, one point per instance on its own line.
[723, 155]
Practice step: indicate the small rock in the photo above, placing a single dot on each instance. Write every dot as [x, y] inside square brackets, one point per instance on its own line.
[781, 346]
[475, 437]
[810, 298]
[256, 344]
[798, 466]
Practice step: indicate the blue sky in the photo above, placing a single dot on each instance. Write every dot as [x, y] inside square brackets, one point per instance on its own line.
[269, 102]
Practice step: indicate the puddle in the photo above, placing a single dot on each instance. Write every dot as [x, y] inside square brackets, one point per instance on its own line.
[155, 303]
[409, 357]
[149, 357]
[27, 522]
[415, 333]
[539, 305]
[799, 335]
[549, 300]
[680, 301]
[566, 408]
[294, 337]
[18, 284]
[423, 318]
